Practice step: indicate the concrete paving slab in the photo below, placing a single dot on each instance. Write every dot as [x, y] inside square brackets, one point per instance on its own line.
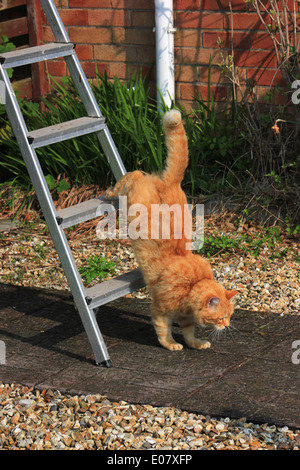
[248, 373]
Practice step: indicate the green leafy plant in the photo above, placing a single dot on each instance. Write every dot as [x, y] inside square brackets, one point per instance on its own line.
[214, 143]
[56, 186]
[291, 228]
[6, 46]
[96, 267]
[269, 238]
[222, 150]
[132, 119]
[217, 244]
[136, 127]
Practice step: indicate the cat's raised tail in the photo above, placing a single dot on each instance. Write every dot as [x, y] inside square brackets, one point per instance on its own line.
[177, 146]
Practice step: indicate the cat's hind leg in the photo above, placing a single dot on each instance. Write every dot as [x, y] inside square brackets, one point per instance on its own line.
[163, 328]
[123, 185]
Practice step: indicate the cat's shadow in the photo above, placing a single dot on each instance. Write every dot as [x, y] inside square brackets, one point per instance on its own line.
[130, 320]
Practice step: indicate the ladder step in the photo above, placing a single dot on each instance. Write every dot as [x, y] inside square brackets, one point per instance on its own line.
[65, 130]
[34, 54]
[85, 211]
[114, 288]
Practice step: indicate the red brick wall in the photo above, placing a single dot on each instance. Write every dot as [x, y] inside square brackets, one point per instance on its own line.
[118, 35]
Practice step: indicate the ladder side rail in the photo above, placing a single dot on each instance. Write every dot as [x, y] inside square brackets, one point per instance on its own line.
[111, 153]
[72, 61]
[55, 22]
[93, 110]
[21, 133]
[83, 87]
[59, 238]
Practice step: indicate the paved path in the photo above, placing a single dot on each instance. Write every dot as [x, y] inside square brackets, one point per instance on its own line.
[249, 374]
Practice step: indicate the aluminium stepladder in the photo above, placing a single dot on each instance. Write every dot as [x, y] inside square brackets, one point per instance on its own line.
[86, 300]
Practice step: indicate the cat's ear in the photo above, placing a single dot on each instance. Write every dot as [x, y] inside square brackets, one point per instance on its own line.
[230, 293]
[213, 302]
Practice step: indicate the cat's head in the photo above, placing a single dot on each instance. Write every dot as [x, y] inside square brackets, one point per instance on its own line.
[212, 304]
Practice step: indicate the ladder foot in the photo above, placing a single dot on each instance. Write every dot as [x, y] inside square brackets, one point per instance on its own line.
[107, 363]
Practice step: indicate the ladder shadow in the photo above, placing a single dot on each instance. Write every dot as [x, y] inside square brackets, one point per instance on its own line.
[40, 318]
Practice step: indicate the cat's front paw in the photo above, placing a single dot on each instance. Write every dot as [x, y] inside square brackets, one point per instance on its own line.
[173, 346]
[205, 345]
[199, 344]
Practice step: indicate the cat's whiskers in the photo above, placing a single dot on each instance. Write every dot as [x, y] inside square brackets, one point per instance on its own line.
[218, 335]
[230, 328]
[233, 328]
[215, 334]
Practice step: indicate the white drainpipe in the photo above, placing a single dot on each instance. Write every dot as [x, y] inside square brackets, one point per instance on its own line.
[164, 32]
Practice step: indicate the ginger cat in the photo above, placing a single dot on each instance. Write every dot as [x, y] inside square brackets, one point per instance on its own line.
[180, 283]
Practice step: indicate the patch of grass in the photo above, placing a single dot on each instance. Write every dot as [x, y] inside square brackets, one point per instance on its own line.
[40, 250]
[31, 225]
[96, 267]
[268, 239]
[16, 276]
